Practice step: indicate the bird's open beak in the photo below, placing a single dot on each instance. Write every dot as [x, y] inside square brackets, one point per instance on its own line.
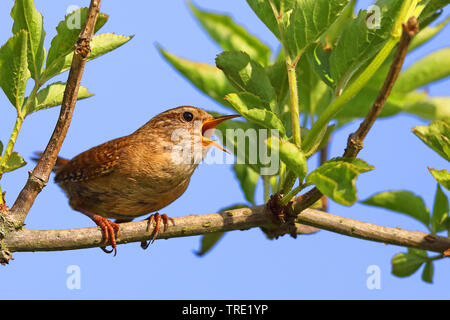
[211, 124]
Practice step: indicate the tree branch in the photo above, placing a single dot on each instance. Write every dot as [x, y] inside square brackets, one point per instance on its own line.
[40, 174]
[356, 139]
[237, 219]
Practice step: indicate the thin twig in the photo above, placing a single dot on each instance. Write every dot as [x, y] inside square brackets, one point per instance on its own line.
[237, 219]
[355, 140]
[40, 174]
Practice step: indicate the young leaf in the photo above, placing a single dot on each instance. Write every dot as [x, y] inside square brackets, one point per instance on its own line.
[430, 68]
[208, 241]
[277, 74]
[437, 136]
[431, 108]
[27, 18]
[320, 141]
[439, 219]
[52, 96]
[429, 13]
[291, 155]
[264, 12]
[359, 42]
[249, 106]
[426, 34]
[441, 176]
[428, 272]
[308, 20]
[14, 162]
[100, 44]
[66, 37]
[336, 178]
[247, 75]
[310, 88]
[405, 264]
[403, 202]
[248, 180]
[14, 71]
[231, 36]
[207, 78]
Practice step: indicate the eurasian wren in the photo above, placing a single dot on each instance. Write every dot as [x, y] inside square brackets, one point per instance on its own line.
[140, 173]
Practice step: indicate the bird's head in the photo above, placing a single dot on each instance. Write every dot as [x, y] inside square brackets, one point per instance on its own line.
[187, 128]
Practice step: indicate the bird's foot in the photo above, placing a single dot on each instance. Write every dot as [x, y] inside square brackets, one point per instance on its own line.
[110, 230]
[156, 217]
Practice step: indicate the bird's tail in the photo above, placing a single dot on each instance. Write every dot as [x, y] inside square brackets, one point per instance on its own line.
[60, 162]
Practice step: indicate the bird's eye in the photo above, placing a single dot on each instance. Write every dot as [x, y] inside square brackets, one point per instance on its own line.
[188, 116]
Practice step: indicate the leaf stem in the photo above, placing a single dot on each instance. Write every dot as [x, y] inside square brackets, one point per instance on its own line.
[288, 197]
[337, 104]
[266, 180]
[11, 142]
[21, 114]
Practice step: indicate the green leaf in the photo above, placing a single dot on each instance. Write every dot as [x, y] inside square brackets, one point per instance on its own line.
[319, 141]
[439, 219]
[66, 37]
[264, 12]
[247, 75]
[428, 272]
[308, 20]
[291, 155]
[405, 264]
[207, 78]
[248, 105]
[52, 96]
[426, 34]
[441, 176]
[433, 108]
[14, 162]
[27, 18]
[437, 136]
[1, 148]
[430, 13]
[310, 88]
[277, 74]
[430, 68]
[332, 35]
[14, 71]
[403, 202]
[208, 241]
[231, 36]
[336, 178]
[319, 60]
[358, 43]
[100, 45]
[248, 180]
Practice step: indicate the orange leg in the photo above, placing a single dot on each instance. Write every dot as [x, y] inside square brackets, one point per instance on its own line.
[110, 230]
[156, 217]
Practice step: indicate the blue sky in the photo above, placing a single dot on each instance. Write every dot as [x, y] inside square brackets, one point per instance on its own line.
[131, 85]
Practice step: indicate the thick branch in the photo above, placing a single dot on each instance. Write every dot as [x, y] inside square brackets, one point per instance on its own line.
[356, 139]
[238, 219]
[39, 176]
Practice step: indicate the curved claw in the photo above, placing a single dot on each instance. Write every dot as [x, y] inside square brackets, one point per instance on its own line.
[156, 217]
[110, 230]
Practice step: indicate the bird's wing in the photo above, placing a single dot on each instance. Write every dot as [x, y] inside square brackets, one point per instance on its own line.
[92, 163]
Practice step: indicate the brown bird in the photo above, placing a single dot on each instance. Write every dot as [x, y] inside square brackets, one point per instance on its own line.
[140, 173]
